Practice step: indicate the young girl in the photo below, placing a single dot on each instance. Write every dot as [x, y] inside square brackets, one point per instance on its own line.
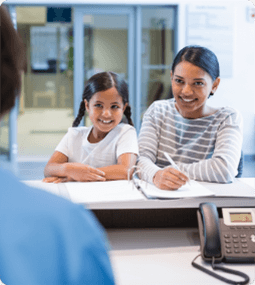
[107, 149]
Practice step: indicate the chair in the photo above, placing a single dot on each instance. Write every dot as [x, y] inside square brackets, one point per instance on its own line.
[240, 166]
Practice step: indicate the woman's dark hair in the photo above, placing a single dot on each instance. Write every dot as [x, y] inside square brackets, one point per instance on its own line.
[201, 57]
[12, 62]
[101, 82]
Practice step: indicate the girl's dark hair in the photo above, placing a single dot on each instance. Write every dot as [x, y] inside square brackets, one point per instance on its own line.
[101, 82]
[12, 62]
[201, 57]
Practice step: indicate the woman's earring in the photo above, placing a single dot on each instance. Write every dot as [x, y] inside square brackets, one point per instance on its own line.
[211, 94]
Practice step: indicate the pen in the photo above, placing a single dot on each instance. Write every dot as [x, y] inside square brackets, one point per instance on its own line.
[174, 165]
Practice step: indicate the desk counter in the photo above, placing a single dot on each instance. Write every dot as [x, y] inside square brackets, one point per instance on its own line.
[162, 257]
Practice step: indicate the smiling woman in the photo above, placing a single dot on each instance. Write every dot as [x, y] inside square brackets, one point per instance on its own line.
[203, 141]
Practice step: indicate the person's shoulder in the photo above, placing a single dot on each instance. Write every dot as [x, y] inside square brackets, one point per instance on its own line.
[125, 127]
[227, 111]
[161, 107]
[18, 195]
[78, 131]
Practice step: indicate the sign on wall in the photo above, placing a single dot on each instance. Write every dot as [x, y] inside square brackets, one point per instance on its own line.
[211, 26]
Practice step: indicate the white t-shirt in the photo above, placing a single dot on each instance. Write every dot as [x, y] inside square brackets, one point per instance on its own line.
[75, 145]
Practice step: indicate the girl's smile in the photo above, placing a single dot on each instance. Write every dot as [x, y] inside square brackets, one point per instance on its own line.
[191, 87]
[105, 110]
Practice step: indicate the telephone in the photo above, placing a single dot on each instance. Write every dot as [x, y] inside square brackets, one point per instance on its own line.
[230, 238]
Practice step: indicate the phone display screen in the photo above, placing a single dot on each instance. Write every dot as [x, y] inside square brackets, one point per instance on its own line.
[240, 217]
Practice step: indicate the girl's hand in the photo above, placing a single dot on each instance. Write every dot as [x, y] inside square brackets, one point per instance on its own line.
[169, 179]
[56, 179]
[83, 173]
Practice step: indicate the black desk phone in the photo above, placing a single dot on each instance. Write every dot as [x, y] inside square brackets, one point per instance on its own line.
[230, 238]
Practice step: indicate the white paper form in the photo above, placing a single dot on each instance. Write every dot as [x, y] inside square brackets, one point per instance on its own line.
[109, 191]
[193, 190]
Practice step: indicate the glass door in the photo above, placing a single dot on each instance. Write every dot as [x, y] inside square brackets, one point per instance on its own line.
[46, 101]
[106, 45]
[158, 50]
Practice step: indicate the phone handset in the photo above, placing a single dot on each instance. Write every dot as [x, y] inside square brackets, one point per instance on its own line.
[209, 231]
[211, 246]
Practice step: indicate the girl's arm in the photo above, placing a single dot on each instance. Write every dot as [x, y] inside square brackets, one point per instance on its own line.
[58, 169]
[119, 171]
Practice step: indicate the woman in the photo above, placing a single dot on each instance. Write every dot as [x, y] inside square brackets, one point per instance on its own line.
[203, 141]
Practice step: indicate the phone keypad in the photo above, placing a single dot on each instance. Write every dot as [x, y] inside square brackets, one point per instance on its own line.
[238, 241]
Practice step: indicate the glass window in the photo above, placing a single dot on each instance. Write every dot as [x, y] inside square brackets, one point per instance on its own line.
[105, 46]
[158, 34]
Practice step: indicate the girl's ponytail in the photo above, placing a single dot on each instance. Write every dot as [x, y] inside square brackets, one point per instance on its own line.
[81, 113]
[127, 113]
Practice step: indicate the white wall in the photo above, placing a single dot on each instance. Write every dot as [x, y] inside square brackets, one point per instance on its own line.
[239, 91]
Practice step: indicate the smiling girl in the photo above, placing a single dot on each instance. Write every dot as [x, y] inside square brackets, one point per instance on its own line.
[107, 149]
[203, 141]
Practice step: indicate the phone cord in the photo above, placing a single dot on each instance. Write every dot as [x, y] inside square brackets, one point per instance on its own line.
[217, 267]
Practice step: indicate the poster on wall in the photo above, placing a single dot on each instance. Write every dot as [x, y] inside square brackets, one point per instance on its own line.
[211, 26]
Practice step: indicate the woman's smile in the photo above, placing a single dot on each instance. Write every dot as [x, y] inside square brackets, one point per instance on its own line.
[188, 100]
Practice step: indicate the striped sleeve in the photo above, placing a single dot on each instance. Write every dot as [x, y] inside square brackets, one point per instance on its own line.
[148, 146]
[222, 166]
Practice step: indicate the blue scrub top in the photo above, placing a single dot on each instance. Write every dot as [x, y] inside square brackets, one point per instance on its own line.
[46, 239]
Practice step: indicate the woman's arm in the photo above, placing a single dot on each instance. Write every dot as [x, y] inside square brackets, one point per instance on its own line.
[222, 166]
[164, 178]
[58, 169]
[120, 170]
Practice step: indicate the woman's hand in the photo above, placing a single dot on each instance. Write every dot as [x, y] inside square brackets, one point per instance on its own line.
[169, 179]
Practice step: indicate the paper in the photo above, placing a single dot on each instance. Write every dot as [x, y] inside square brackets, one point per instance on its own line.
[109, 191]
[187, 191]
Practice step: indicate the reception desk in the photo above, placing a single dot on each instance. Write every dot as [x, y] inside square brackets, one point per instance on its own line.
[153, 242]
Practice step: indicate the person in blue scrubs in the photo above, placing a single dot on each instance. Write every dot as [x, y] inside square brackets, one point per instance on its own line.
[44, 239]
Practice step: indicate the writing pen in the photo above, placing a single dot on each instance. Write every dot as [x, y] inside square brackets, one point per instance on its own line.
[173, 164]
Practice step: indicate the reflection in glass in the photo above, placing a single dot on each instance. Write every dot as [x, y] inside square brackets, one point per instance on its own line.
[157, 54]
[105, 45]
[46, 103]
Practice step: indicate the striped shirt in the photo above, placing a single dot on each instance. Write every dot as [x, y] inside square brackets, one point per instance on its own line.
[205, 149]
